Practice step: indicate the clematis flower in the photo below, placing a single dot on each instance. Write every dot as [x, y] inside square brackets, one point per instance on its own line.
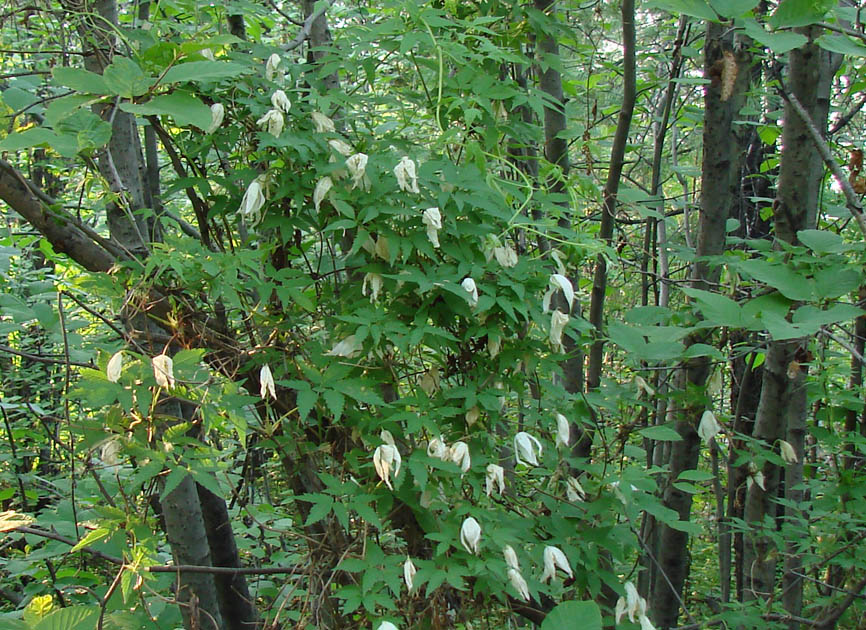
[253, 200]
[341, 146]
[384, 457]
[632, 600]
[494, 345]
[788, 453]
[518, 583]
[470, 535]
[323, 123]
[574, 491]
[558, 322]
[386, 437]
[114, 367]
[281, 102]
[495, 478]
[709, 426]
[271, 66]
[375, 282]
[266, 382]
[563, 430]
[524, 447]
[163, 370]
[348, 347]
[432, 218]
[645, 623]
[643, 386]
[272, 122]
[357, 165]
[409, 571]
[217, 114]
[505, 255]
[438, 449]
[620, 609]
[429, 383]
[386, 625]
[471, 416]
[558, 282]
[405, 174]
[459, 454]
[468, 285]
[207, 53]
[553, 559]
[322, 187]
[755, 476]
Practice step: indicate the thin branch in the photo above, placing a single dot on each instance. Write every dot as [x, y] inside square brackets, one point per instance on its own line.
[304, 33]
[41, 358]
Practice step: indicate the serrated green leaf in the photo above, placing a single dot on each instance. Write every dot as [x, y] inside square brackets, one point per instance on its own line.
[335, 401]
[91, 537]
[319, 510]
[173, 481]
[661, 433]
[70, 618]
[571, 615]
[125, 78]
[80, 80]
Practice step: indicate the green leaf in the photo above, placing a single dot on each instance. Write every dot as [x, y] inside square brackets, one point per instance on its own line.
[695, 8]
[814, 318]
[184, 108]
[695, 475]
[70, 618]
[173, 481]
[203, 71]
[779, 43]
[781, 277]
[732, 8]
[717, 309]
[27, 139]
[822, 241]
[573, 615]
[791, 13]
[661, 433]
[841, 44]
[319, 510]
[335, 401]
[125, 78]
[91, 537]
[80, 80]
[306, 401]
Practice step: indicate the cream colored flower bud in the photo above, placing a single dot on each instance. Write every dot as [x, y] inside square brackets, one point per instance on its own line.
[553, 559]
[405, 174]
[323, 186]
[114, 367]
[217, 114]
[409, 571]
[563, 430]
[432, 218]
[558, 282]
[253, 201]
[505, 255]
[495, 479]
[266, 383]
[459, 454]
[472, 415]
[708, 427]
[788, 453]
[558, 322]
[281, 102]
[468, 285]
[163, 370]
[348, 347]
[271, 66]
[375, 282]
[272, 122]
[357, 165]
[574, 491]
[525, 446]
[518, 583]
[510, 557]
[438, 449]
[384, 457]
[341, 146]
[470, 535]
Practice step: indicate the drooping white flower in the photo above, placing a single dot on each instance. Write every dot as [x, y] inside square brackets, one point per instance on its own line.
[207, 53]
[470, 535]
[459, 454]
[518, 583]
[525, 446]
[357, 165]
[755, 476]
[271, 66]
[322, 187]
[494, 345]
[405, 174]
[558, 322]
[340, 146]
[505, 255]
[468, 285]
[272, 122]
[438, 449]
[709, 426]
[563, 430]
[280, 101]
[472, 415]
[386, 625]
[109, 452]
[645, 623]
[384, 457]
[432, 218]
[253, 201]
[114, 367]
[573, 490]
[323, 123]
[409, 571]
[643, 386]
[495, 478]
[386, 437]
[375, 281]
[553, 558]
[620, 609]
[348, 347]
[163, 370]
[266, 382]
[382, 248]
[558, 282]
[632, 600]
[217, 114]
[429, 383]
[788, 452]
[510, 557]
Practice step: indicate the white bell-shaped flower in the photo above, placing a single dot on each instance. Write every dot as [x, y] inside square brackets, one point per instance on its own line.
[645, 623]
[386, 457]
[468, 285]
[505, 255]
[114, 367]
[357, 165]
[553, 559]
[272, 122]
[409, 571]
[510, 557]
[374, 281]
[518, 583]
[494, 345]
[620, 609]
[348, 347]
[574, 491]
[432, 218]
[788, 452]
[405, 174]
[253, 201]
[632, 600]
[266, 383]
[323, 186]
[322, 123]
[163, 370]
[341, 146]
[558, 322]
[755, 476]
[271, 66]
[459, 454]
[386, 625]
[558, 282]
[495, 479]
[429, 382]
[470, 535]
[709, 426]
[563, 430]
[472, 415]
[438, 449]
[386, 437]
[217, 114]
[525, 446]
[281, 102]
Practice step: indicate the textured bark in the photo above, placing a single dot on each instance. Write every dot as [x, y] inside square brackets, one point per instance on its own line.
[721, 164]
